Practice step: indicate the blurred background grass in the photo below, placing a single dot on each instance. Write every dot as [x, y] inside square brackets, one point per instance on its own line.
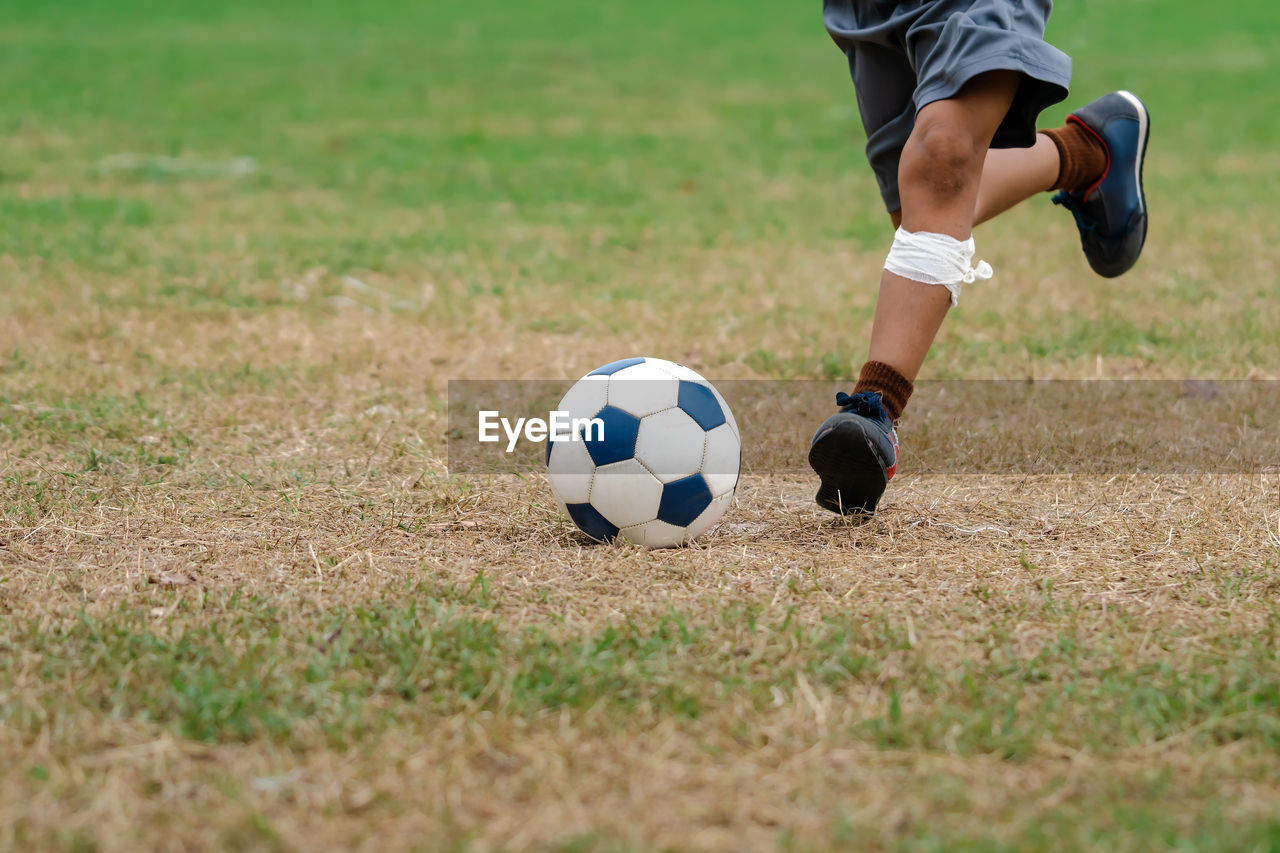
[209, 204]
[550, 156]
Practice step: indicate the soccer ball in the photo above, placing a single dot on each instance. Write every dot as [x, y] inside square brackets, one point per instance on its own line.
[657, 462]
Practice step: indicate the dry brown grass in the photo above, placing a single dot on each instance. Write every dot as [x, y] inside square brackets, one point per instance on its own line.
[1145, 570]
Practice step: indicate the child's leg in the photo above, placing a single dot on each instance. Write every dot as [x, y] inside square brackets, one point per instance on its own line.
[855, 451]
[939, 178]
[1065, 158]
[1012, 175]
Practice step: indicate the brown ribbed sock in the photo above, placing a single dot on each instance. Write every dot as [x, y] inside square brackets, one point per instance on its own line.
[1082, 157]
[894, 388]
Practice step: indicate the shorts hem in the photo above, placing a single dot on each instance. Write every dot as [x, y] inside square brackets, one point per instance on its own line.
[957, 79]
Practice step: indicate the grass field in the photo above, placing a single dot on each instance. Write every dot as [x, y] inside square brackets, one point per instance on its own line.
[243, 248]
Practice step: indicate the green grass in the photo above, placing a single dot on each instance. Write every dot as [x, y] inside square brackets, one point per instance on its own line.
[243, 605]
[247, 673]
[247, 669]
[517, 160]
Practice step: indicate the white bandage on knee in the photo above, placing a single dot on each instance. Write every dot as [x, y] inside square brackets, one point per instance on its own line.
[931, 258]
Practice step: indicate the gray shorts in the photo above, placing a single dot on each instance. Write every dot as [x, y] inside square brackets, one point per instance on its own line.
[905, 55]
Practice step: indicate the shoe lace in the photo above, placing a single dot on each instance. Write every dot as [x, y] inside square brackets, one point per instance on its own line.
[1084, 221]
[866, 403]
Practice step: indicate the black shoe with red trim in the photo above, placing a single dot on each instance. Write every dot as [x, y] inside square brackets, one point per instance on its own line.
[1111, 215]
[855, 452]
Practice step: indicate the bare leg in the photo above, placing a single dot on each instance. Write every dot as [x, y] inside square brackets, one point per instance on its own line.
[1010, 176]
[938, 179]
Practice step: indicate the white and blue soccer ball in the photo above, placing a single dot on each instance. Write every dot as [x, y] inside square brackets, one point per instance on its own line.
[660, 462]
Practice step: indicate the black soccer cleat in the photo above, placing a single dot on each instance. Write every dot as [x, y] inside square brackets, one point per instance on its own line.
[1111, 215]
[855, 452]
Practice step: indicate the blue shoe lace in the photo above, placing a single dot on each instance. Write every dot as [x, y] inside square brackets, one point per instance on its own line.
[1083, 221]
[865, 403]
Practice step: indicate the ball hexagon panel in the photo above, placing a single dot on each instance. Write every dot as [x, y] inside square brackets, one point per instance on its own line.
[643, 389]
[618, 441]
[588, 395]
[722, 460]
[728, 412]
[625, 493]
[614, 366]
[709, 516]
[700, 402]
[570, 469]
[670, 445]
[684, 500]
[655, 534]
[592, 523]
[670, 368]
[679, 371]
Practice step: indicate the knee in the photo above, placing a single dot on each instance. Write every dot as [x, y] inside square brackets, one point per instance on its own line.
[942, 158]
